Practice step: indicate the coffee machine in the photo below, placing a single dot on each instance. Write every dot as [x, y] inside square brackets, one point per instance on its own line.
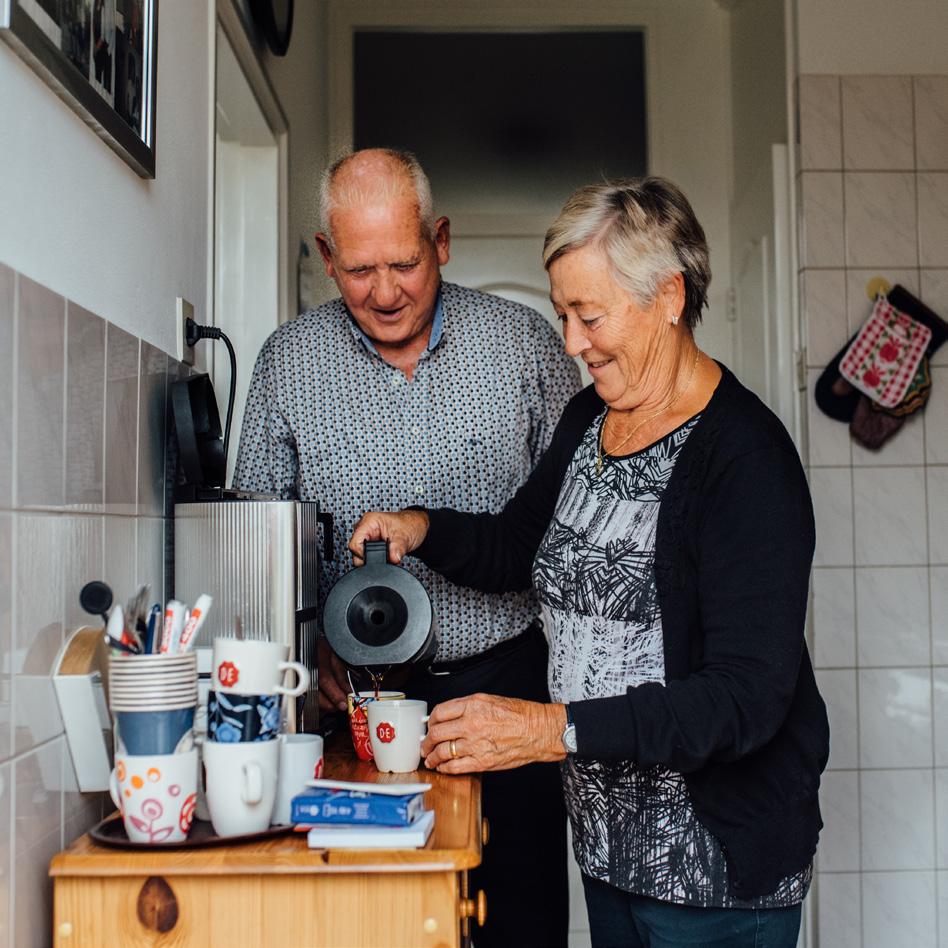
[257, 555]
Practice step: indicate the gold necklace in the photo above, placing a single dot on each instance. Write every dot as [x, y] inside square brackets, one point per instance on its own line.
[645, 420]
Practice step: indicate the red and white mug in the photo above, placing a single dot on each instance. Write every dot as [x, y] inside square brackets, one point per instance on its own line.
[396, 730]
[251, 667]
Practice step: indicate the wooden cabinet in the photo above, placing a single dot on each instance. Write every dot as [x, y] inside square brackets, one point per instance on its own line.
[280, 892]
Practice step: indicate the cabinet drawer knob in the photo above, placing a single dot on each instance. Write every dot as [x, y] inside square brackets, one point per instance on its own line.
[430, 926]
[475, 908]
[65, 929]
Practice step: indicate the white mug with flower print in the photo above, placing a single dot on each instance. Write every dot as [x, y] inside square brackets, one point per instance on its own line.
[156, 794]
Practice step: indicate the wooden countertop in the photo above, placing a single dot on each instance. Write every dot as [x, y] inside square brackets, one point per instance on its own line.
[455, 842]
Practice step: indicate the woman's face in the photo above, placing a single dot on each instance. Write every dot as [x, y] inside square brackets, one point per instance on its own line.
[620, 341]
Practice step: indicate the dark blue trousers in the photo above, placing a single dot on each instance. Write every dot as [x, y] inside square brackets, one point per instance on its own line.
[619, 919]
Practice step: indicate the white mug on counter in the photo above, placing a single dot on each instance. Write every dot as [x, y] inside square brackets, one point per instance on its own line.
[240, 785]
[301, 760]
[396, 730]
[250, 667]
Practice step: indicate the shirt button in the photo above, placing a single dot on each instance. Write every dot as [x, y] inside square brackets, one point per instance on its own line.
[416, 430]
[419, 490]
[395, 380]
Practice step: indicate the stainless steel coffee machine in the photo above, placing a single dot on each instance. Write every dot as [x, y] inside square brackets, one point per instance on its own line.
[259, 559]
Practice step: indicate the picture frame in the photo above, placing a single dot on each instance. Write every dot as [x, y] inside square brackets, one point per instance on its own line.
[100, 58]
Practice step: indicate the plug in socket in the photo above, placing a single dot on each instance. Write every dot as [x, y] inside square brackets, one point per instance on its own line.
[185, 311]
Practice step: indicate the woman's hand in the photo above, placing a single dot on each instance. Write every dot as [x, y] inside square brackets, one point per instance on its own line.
[492, 733]
[405, 531]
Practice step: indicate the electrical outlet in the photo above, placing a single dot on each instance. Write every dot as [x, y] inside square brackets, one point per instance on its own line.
[185, 311]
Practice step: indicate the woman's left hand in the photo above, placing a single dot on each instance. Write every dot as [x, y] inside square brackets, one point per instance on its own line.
[486, 732]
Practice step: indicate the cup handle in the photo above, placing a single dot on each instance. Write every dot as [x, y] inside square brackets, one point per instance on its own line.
[114, 792]
[302, 674]
[253, 783]
[424, 721]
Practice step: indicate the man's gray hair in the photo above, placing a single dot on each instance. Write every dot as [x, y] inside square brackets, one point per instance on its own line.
[648, 231]
[404, 167]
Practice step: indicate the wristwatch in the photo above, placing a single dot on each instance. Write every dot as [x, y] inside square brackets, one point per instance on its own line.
[569, 733]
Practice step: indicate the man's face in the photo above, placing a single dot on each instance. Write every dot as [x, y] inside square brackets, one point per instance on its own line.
[387, 270]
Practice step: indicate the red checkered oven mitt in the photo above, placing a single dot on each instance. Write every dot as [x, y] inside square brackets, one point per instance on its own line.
[883, 358]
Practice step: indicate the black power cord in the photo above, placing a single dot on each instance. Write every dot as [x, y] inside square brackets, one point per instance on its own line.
[194, 332]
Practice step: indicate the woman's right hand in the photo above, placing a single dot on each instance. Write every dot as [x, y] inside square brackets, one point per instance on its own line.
[405, 531]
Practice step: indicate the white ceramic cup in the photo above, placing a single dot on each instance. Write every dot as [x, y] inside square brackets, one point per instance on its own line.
[244, 667]
[396, 730]
[240, 785]
[156, 794]
[301, 759]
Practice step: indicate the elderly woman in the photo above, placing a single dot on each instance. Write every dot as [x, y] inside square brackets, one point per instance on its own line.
[668, 532]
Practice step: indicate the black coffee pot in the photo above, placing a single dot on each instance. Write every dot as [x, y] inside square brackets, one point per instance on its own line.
[380, 615]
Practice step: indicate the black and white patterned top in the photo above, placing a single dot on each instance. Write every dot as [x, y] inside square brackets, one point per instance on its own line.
[594, 574]
[327, 419]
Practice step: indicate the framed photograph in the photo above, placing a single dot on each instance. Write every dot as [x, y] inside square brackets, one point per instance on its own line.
[99, 56]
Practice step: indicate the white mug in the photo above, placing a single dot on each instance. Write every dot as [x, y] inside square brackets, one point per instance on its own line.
[240, 785]
[396, 730]
[301, 759]
[244, 667]
[156, 794]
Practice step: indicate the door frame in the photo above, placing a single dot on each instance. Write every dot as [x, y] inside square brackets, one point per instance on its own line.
[228, 14]
[487, 16]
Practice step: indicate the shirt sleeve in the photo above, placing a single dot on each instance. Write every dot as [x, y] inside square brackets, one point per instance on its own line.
[267, 459]
[755, 546]
[557, 380]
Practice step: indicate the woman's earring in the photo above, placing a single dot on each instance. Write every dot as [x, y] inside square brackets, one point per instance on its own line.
[674, 320]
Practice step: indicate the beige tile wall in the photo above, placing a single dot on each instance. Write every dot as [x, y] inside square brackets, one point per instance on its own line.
[874, 190]
[82, 496]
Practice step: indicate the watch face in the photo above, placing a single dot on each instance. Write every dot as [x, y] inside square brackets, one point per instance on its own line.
[569, 739]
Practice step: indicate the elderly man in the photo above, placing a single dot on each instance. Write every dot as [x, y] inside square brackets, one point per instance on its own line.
[407, 390]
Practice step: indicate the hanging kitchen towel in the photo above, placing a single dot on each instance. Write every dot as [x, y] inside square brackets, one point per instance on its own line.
[882, 360]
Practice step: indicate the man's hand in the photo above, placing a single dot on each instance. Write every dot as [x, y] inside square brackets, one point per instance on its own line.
[492, 733]
[333, 680]
[405, 531]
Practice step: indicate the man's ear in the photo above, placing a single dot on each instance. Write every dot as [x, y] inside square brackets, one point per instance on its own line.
[442, 239]
[325, 251]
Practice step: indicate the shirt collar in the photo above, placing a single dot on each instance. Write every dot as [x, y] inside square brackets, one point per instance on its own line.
[437, 329]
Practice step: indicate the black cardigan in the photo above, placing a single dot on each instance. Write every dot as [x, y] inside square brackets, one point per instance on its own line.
[739, 714]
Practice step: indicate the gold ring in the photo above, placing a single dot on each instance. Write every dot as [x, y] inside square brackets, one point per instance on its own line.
[454, 749]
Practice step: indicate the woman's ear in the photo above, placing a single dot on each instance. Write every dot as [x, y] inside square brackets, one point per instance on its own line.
[672, 297]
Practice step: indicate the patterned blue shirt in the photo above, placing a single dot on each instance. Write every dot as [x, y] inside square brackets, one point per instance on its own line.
[327, 419]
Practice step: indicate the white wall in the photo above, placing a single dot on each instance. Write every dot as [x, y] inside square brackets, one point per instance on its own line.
[77, 219]
[882, 37]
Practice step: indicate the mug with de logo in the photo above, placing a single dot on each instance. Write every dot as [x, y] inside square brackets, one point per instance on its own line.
[396, 730]
[245, 667]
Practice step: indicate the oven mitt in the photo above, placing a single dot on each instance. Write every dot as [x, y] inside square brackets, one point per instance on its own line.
[917, 395]
[873, 428]
[835, 397]
[884, 356]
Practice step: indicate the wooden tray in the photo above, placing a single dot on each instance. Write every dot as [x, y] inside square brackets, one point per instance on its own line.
[111, 832]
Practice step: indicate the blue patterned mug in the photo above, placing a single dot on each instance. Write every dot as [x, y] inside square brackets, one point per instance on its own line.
[237, 719]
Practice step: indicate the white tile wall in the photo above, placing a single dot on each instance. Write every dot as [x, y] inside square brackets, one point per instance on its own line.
[889, 516]
[56, 534]
[898, 909]
[895, 717]
[892, 604]
[881, 226]
[877, 122]
[880, 629]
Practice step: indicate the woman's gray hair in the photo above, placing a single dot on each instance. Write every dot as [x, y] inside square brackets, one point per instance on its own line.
[403, 165]
[648, 231]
